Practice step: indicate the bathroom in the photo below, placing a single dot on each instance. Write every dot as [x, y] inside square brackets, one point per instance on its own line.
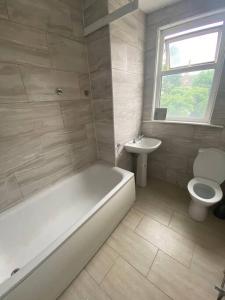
[112, 149]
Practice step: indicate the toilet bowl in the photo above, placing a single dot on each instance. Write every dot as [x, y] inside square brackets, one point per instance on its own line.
[204, 188]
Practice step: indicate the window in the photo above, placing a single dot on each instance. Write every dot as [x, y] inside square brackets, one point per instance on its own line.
[189, 66]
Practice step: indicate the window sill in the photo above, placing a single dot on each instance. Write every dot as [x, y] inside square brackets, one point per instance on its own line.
[184, 123]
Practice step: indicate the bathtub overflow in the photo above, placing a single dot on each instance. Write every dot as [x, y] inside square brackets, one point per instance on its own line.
[15, 271]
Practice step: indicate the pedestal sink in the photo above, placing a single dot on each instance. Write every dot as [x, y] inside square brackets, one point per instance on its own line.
[142, 147]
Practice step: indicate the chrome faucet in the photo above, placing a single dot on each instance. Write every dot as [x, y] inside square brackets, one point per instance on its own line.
[139, 138]
[221, 289]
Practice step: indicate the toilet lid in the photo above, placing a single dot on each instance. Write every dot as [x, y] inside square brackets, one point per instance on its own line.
[210, 164]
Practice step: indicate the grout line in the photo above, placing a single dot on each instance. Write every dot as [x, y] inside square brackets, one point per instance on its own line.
[159, 288]
[171, 217]
[162, 249]
[139, 222]
[122, 257]
[113, 264]
[150, 217]
[192, 257]
[7, 10]
[145, 276]
[152, 263]
[23, 82]
[42, 30]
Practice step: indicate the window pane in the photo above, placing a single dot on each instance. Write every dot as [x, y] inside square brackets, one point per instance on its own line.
[186, 95]
[195, 50]
[194, 29]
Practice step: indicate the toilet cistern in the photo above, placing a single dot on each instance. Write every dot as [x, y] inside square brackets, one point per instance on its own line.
[142, 146]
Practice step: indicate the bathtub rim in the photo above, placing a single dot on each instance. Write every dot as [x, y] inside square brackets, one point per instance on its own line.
[12, 282]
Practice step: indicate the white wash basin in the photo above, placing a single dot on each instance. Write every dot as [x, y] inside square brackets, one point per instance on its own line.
[142, 147]
[145, 145]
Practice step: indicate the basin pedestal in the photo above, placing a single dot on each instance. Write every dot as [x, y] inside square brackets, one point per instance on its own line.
[141, 176]
[142, 147]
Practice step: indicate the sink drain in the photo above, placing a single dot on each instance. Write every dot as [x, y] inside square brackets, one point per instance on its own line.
[15, 271]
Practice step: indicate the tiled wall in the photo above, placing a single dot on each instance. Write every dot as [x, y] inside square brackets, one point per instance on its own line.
[43, 136]
[98, 44]
[127, 56]
[174, 160]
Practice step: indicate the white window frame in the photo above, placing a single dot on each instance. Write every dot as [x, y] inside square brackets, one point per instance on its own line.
[197, 21]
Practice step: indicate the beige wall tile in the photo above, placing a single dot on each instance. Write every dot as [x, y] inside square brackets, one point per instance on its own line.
[99, 55]
[167, 240]
[41, 84]
[84, 83]
[22, 35]
[118, 52]
[12, 52]
[105, 152]
[3, 10]
[22, 44]
[42, 48]
[17, 151]
[60, 139]
[104, 133]
[101, 84]
[76, 113]
[52, 16]
[48, 116]
[43, 172]
[10, 192]
[103, 110]
[16, 119]
[124, 283]
[127, 58]
[67, 54]
[11, 84]
[135, 250]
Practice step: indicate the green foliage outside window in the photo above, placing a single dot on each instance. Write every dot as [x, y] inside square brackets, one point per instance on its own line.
[186, 95]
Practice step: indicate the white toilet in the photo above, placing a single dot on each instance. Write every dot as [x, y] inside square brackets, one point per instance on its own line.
[204, 188]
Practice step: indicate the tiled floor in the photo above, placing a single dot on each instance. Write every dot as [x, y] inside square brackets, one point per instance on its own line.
[157, 252]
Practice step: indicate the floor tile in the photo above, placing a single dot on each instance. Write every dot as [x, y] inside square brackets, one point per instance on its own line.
[214, 224]
[101, 263]
[137, 251]
[208, 264]
[175, 197]
[166, 239]
[129, 266]
[132, 219]
[178, 281]
[198, 232]
[153, 207]
[84, 288]
[124, 283]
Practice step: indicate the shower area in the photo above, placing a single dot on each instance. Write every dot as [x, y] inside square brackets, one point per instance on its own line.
[68, 90]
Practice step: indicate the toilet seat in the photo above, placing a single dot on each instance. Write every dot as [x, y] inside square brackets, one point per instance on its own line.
[192, 188]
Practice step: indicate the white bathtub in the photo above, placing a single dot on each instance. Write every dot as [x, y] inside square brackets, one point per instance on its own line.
[51, 236]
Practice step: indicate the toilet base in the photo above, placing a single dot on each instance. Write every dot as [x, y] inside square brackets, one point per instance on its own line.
[197, 211]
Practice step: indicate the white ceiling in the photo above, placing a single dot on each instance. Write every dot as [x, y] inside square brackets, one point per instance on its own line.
[151, 5]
